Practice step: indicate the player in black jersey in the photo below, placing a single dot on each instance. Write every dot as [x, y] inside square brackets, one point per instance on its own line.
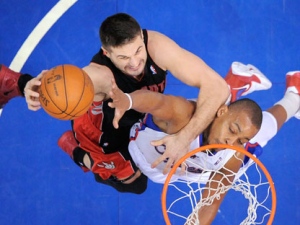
[136, 59]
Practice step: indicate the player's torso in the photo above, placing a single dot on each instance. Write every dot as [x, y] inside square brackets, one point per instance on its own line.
[144, 154]
[101, 115]
[143, 133]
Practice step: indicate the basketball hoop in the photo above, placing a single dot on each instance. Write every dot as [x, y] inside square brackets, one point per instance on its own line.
[182, 199]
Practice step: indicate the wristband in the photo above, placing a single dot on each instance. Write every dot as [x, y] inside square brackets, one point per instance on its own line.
[130, 101]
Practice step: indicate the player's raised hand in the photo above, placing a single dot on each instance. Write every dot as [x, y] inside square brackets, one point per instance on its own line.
[121, 103]
[31, 92]
[176, 147]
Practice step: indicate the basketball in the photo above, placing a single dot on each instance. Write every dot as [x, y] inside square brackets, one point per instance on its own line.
[66, 92]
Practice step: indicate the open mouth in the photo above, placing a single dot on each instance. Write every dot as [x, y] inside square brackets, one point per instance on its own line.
[135, 68]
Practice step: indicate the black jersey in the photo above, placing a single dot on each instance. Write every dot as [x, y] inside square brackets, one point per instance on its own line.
[111, 139]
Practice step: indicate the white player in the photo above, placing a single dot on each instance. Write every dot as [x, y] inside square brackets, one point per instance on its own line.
[232, 125]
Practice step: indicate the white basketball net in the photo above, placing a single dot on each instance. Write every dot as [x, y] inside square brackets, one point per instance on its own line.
[184, 198]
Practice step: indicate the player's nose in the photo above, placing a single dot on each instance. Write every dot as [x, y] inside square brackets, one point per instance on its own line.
[134, 62]
[229, 141]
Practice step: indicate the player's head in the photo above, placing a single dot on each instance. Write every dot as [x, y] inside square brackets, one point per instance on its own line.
[122, 41]
[235, 124]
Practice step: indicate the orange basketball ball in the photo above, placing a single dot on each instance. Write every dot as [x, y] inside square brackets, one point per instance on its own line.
[66, 92]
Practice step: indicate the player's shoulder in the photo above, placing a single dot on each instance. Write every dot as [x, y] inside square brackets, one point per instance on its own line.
[98, 71]
[161, 48]
[100, 75]
[157, 38]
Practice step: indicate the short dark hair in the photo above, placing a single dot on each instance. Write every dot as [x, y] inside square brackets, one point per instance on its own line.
[118, 29]
[251, 108]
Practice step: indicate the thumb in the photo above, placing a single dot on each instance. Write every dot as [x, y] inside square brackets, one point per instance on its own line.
[111, 105]
[116, 121]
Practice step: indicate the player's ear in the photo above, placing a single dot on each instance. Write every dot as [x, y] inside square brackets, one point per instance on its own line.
[222, 110]
[105, 52]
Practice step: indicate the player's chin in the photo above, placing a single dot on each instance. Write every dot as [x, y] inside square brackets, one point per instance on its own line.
[217, 149]
[216, 143]
[131, 72]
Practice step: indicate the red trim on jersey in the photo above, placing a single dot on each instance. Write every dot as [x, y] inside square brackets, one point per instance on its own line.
[88, 132]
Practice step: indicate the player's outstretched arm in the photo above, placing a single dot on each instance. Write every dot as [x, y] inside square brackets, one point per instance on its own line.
[224, 177]
[170, 113]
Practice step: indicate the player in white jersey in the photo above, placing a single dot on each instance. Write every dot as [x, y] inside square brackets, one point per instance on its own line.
[143, 154]
[168, 114]
[180, 110]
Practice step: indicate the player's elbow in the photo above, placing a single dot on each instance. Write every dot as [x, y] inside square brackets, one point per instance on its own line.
[221, 90]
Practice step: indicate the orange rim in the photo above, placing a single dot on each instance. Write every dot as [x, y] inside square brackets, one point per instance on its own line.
[203, 148]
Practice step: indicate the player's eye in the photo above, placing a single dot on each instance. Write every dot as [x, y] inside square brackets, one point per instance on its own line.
[138, 51]
[123, 57]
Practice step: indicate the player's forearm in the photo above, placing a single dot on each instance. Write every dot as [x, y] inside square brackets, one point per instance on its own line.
[209, 101]
[206, 215]
[146, 101]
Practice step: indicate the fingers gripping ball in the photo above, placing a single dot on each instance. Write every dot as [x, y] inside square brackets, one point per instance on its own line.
[66, 92]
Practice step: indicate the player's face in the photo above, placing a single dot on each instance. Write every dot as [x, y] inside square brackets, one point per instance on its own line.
[131, 57]
[231, 127]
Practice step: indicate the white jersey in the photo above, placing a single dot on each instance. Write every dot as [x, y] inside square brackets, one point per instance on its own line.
[144, 154]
